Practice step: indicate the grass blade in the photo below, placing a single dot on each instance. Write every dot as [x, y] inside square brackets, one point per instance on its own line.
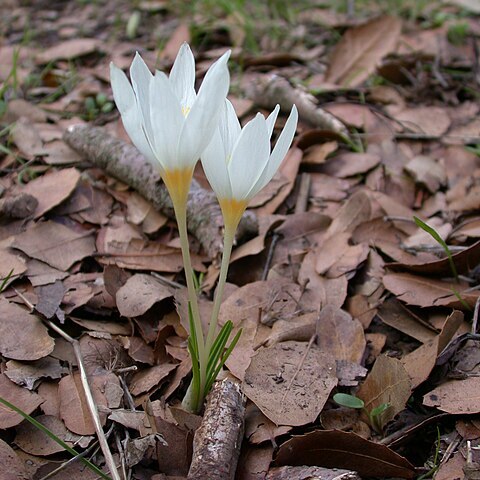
[433, 233]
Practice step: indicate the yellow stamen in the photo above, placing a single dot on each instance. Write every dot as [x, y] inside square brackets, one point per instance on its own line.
[232, 210]
[185, 110]
[178, 182]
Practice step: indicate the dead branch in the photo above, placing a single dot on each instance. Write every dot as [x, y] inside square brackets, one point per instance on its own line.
[217, 442]
[268, 90]
[124, 162]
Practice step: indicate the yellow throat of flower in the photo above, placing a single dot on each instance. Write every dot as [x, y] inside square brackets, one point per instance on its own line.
[232, 210]
[178, 182]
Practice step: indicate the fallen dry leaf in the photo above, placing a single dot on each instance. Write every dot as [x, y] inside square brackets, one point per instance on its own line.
[339, 335]
[150, 378]
[20, 397]
[12, 466]
[350, 164]
[361, 49]
[52, 189]
[73, 405]
[290, 382]
[32, 440]
[28, 375]
[55, 244]
[22, 334]
[140, 293]
[67, 50]
[432, 121]
[456, 396]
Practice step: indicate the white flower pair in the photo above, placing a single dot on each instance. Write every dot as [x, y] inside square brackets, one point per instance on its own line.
[173, 127]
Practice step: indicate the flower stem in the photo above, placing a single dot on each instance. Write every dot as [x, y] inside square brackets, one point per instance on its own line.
[228, 238]
[180, 213]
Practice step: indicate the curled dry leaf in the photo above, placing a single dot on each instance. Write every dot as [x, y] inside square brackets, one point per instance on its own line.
[464, 262]
[387, 382]
[427, 292]
[22, 335]
[290, 382]
[259, 429]
[27, 375]
[337, 449]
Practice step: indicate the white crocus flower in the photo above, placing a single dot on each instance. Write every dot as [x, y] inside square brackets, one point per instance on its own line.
[238, 162]
[164, 117]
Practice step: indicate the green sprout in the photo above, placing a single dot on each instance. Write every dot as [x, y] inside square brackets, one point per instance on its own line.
[375, 416]
[96, 105]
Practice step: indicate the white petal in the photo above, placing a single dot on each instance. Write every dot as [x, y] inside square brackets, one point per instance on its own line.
[132, 117]
[272, 118]
[281, 148]
[167, 121]
[141, 78]
[204, 116]
[214, 162]
[229, 128]
[250, 156]
[182, 77]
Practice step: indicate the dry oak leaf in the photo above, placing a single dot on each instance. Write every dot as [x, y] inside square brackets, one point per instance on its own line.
[139, 294]
[456, 396]
[22, 334]
[387, 382]
[427, 292]
[337, 449]
[18, 396]
[290, 382]
[52, 189]
[55, 244]
[357, 55]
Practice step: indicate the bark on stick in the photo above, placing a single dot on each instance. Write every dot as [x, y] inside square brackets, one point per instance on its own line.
[217, 442]
[127, 164]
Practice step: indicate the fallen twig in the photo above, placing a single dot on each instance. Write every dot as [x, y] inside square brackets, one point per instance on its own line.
[217, 442]
[269, 90]
[124, 162]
